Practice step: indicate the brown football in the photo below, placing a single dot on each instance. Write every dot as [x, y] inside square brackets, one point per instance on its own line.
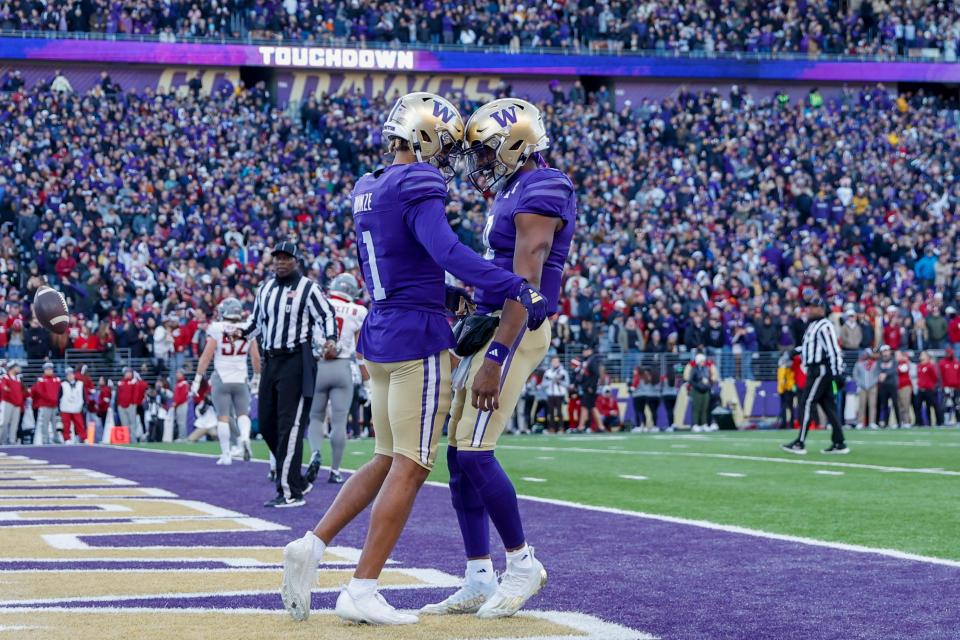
[51, 310]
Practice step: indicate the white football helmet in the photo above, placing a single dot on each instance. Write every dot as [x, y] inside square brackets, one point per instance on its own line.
[230, 309]
[345, 284]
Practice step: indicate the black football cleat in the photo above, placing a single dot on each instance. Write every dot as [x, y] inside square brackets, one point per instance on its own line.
[335, 478]
[284, 503]
[307, 489]
[837, 449]
[795, 447]
[314, 469]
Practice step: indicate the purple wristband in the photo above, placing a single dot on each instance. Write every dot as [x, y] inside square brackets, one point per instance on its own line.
[497, 352]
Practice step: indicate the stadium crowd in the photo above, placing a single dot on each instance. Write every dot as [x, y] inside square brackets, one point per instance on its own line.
[705, 219]
[874, 27]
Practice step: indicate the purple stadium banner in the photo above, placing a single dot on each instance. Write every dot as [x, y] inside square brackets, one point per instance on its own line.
[392, 60]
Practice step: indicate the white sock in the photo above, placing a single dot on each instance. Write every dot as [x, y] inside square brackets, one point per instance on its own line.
[480, 571]
[223, 435]
[273, 462]
[520, 558]
[243, 423]
[360, 587]
[318, 546]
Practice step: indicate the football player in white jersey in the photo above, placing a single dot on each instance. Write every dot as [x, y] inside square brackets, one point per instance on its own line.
[335, 378]
[229, 380]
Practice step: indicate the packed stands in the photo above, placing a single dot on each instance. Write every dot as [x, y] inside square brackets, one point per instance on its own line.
[860, 27]
[705, 218]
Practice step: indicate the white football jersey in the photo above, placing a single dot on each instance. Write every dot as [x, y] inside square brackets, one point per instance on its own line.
[230, 358]
[350, 317]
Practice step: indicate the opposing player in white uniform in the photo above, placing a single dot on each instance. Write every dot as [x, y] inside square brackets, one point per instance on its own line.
[229, 380]
[335, 378]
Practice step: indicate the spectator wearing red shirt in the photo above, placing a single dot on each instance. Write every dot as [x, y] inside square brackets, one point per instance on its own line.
[609, 410]
[4, 335]
[99, 401]
[65, 264]
[799, 375]
[574, 408]
[904, 388]
[11, 404]
[182, 343]
[950, 379]
[140, 389]
[86, 340]
[45, 394]
[127, 401]
[928, 387]
[893, 333]
[953, 328]
[181, 397]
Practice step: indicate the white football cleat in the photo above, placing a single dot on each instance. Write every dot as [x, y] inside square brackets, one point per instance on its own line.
[236, 451]
[224, 460]
[370, 608]
[299, 577]
[467, 599]
[516, 587]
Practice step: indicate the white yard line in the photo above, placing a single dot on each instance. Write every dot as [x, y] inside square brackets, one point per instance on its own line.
[756, 533]
[629, 477]
[731, 456]
[728, 474]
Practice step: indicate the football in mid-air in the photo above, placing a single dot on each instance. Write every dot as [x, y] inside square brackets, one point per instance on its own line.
[51, 310]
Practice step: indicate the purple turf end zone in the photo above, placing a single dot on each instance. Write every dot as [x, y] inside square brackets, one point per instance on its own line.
[671, 580]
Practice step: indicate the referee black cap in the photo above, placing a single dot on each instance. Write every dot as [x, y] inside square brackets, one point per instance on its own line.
[288, 247]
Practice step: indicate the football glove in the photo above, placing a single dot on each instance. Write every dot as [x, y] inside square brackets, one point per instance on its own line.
[535, 304]
[255, 382]
[456, 299]
[195, 387]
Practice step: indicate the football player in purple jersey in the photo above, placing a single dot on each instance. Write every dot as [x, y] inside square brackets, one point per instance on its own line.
[528, 231]
[405, 246]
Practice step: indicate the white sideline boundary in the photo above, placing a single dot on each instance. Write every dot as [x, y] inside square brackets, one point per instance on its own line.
[703, 524]
[734, 456]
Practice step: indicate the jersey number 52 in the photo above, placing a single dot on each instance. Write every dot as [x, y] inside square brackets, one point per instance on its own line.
[233, 347]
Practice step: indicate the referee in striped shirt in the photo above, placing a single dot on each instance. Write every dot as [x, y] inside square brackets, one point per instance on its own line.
[290, 309]
[822, 358]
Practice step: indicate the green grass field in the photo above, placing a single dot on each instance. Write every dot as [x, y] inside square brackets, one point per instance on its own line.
[896, 490]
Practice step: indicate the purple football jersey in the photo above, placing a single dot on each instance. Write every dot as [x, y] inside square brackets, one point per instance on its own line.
[405, 244]
[546, 192]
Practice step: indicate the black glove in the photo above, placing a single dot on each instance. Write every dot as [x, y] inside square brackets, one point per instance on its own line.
[455, 297]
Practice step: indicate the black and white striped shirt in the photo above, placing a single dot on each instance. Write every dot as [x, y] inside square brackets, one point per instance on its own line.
[290, 313]
[820, 346]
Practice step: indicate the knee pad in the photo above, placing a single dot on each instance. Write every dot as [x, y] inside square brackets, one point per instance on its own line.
[456, 478]
[463, 493]
[478, 466]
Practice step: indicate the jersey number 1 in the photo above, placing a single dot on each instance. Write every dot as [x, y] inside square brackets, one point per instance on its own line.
[233, 347]
[379, 293]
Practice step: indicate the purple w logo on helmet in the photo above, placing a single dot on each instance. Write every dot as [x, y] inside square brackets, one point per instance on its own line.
[503, 116]
[442, 112]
